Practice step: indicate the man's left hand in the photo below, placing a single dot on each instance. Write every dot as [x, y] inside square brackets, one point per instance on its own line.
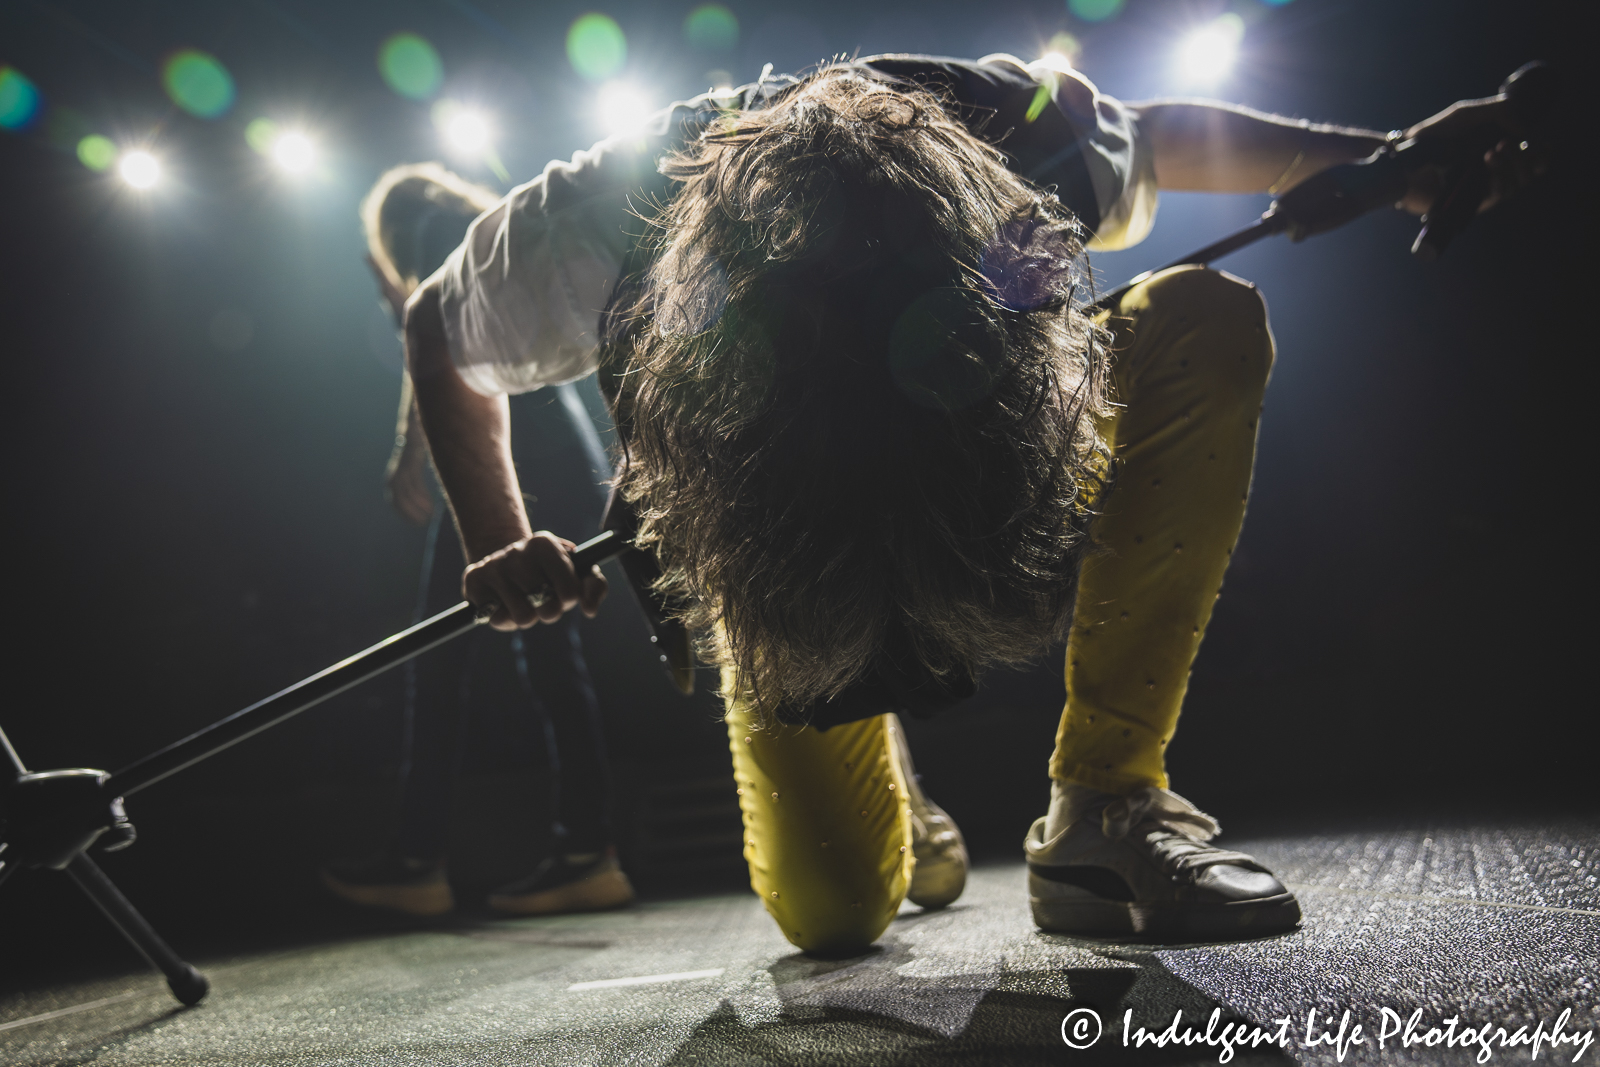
[1486, 126]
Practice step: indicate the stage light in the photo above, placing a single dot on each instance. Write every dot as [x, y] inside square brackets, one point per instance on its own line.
[139, 169]
[623, 108]
[467, 131]
[294, 152]
[1207, 54]
[464, 129]
[291, 151]
[1062, 52]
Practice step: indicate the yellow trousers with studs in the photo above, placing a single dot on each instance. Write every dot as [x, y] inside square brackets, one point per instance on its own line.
[827, 827]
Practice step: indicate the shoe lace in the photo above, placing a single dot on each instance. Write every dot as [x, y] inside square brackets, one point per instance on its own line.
[1173, 829]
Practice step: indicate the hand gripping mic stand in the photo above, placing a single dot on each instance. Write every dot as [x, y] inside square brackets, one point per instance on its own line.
[50, 818]
[1345, 192]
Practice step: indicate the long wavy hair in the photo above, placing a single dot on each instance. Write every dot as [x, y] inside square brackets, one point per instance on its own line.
[856, 393]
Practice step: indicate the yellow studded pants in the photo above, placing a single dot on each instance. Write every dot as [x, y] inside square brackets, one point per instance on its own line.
[827, 830]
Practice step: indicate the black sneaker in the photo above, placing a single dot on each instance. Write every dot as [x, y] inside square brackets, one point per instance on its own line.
[391, 881]
[561, 885]
[1139, 866]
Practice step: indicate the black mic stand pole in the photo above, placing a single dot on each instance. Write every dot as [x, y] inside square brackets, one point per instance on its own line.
[50, 818]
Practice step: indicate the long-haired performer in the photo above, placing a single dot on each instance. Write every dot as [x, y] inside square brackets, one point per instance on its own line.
[414, 216]
[877, 445]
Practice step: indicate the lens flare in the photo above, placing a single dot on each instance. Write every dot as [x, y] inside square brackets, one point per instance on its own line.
[711, 26]
[410, 66]
[19, 99]
[1207, 54]
[139, 169]
[596, 46]
[1094, 10]
[96, 152]
[261, 134]
[623, 108]
[198, 83]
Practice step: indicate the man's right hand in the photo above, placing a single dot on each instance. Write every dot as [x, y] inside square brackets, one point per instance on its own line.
[532, 581]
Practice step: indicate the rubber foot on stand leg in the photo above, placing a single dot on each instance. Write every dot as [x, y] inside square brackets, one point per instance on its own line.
[190, 988]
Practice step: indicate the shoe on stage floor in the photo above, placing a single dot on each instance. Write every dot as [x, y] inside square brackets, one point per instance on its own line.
[940, 873]
[1139, 866]
[565, 883]
[393, 882]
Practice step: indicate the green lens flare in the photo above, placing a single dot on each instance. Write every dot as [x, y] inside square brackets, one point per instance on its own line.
[711, 26]
[19, 99]
[198, 83]
[596, 46]
[96, 152]
[260, 134]
[1094, 10]
[411, 66]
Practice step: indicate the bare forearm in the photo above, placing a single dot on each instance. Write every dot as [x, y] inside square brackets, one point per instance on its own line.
[468, 435]
[1221, 148]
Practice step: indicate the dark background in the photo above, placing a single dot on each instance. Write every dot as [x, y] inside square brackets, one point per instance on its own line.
[192, 525]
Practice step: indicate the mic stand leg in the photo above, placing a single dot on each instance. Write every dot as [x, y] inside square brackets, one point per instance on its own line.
[186, 983]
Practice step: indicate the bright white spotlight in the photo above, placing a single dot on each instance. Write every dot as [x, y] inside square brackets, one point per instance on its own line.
[294, 152]
[623, 108]
[467, 131]
[1207, 54]
[139, 169]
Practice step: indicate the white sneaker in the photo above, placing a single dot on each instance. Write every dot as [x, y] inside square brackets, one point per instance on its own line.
[1139, 865]
[941, 853]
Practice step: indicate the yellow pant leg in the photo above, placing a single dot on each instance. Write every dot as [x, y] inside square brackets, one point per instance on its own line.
[827, 827]
[1193, 353]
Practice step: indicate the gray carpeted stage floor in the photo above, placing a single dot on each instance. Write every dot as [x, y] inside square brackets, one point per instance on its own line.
[1496, 925]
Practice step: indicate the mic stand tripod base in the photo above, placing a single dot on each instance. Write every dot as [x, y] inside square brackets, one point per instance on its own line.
[186, 983]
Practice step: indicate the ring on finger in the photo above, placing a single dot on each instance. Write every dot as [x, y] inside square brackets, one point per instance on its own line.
[539, 599]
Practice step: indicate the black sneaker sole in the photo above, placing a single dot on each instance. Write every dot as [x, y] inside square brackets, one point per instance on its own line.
[1084, 914]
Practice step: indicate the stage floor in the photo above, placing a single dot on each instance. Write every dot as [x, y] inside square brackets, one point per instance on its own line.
[1495, 925]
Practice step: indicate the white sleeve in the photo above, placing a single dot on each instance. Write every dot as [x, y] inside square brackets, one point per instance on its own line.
[522, 296]
[1117, 153]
